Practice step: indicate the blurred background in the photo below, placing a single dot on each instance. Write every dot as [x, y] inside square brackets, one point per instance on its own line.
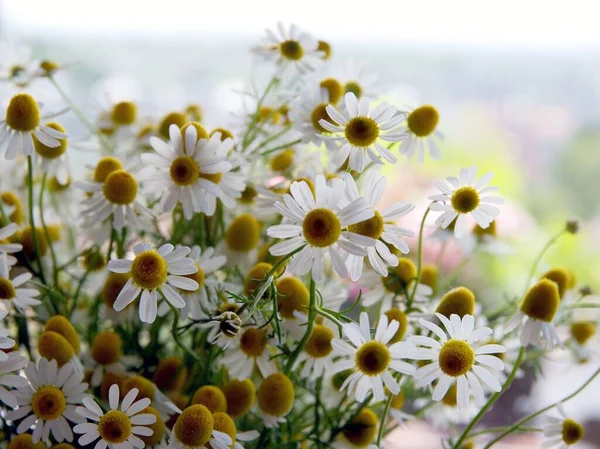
[517, 85]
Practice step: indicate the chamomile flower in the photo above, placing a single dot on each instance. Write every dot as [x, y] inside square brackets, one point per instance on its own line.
[358, 132]
[275, 397]
[5, 341]
[153, 271]
[306, 112]
[360, 432]
[356, 77]
[372, 358]
[421, 132]
[463, 196]
[14, 362]
[380, 227]
[294, 51]
[536, 314]
[16, 65]
[317, 225]
[11, 290]
[22, 124]
[195, 429]
[240, 396]
[120, 427]
[49, 400]
[107, 356]
[53, 158]
[190, 171]
[223, 329]
[252, 347]
[457, 359]
[5, 233]
[562, 432]
[318, 351]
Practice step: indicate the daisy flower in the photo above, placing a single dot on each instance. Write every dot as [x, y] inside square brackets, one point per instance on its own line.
[356, 77]
[536, 314]
[195, 300]
[153, 272]
[319, 224]
[307, 110]
[52, 159]
[359, 130]
[294, 51]
[191, 171]
[196, 428]
[318, 352]
[49, 400]
[223, 329]
[22, 124]
[372, 358]
[380, 227]
[16, 65]
[14, 362]
[275, 398]
[463, 196]
[120, 427]
[562, 432]
[11, 290]
[5, 233]
[421, 132]
[252, 347]
[457, 359]
[106, 356]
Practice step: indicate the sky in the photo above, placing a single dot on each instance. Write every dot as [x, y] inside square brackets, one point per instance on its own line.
[548, 24]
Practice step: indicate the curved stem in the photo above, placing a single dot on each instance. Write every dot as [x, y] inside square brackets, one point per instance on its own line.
[539, 412]
[491, 401]
[419, 261]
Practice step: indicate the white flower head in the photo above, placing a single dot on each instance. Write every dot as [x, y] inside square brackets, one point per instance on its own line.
[12, 290]
[372, 358]
[561, 432]
[49, 400]
[462, 196]
[14, 362]
[153, 272]
[421, 132]
[318, 224]
[250, 348]
[456, 358]
[359, 130]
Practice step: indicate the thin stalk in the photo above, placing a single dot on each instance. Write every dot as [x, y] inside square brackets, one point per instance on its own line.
[46, 233]
[34, 236]
[386, 410]
[419, 261]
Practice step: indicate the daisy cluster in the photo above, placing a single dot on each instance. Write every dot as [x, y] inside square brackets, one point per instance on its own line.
[252, 285]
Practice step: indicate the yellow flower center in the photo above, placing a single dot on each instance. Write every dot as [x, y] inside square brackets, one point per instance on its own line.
[243, 233]
[149, 270]
[404, 273]
[319, 113]
[582, 331]
[201, 132]
[51, 152]
[361, 431]
[54, 346]
[253, 341]
[480, 233]
[224, 423]
[373, 358]
[561, 277]
[124, 113]
[372, 227]
[465, 199]
[423, 120]
[113, 285]
[225, 133]
[429, 274]
[114, 427]
[194, 426]
[459, 301]
[25, 441]
[361, 131]
[240, 396]
[318, 344]
[257, 275]
[105, 167]
[211, 397]
[93, 261]
[334, 88]
[451, 398]
[106, 348]
[184, 171]
[159, 429]
[293, 296]
[291, 49]
[48, 403]
[572, 431]
[400, 317]
[170, 374]
[325, 48]
[172, 118]
[120, 187]
[321, 227]
[194, 111]
[248, 195]
[146, 387]
[456, 357]
[10, 199]
[23, 113]
[7, 291]
[282, 161]
[353, 87]
[541, 301]
[61, 325]
[27, 241]
[276, 395]
[199, 276]
[48, 67]
[398, 400]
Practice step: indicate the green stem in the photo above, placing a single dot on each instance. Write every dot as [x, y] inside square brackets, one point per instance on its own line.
[501, 429]
[541, 255]
[419, 261]
[386, 410]
[34, 236]
[46, 233]
[174, 332]
[312, 311]
[539, 412]
[491, 401]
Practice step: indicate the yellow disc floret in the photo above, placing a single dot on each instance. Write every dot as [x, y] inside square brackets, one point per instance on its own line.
[541, 301]
[291, 49]
[429, 274]
[582, 331]
[26, 239]
[318, 344]
[361, 131]
[18, 213]
[372, 227]
[399, 316]
[23, 113]
[120, 187]
[211, 397]
[293, 296]
[325, 48]
[353, 87]
[194, 427]
[465, 199]
[319, 113]
[146, 387]
[106, 348]
[321, 227]
[456, 358]
[239, 396]
[184, 171]
[253, 341]
[172, 118]
[159, 429]
[373, 358]
[51, 152]
[423, 120]
[362, 430]
[257, 275]
[572, 431]
[459, 301]
[562, 278]
[113, 285]
[335, 90]
[48, 403]
[61, 325]
[276, 395]
[54, 346]
[451, 398]
[243, 233]
[225, 133]
[201, 132]
[105, 167]
[224, 423]
[149, 270]
[7, 290]
[282, 161]
[114, 427]
[124, 113]
[24, 441]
